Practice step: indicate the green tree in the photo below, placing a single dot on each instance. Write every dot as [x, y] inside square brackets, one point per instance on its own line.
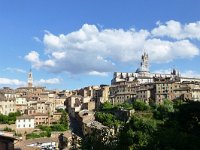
[140, 105]
[137, 134]
[64, 119]
[164, 110]
[107, 106]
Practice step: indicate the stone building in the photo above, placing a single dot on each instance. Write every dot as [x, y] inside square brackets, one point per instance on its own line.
[25, 121]
[7, 104]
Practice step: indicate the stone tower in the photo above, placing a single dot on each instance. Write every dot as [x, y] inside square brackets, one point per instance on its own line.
[30, 79]
[144, 65]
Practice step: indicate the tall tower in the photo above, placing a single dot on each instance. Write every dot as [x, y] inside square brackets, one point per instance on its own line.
[144, 64]
[30, 79]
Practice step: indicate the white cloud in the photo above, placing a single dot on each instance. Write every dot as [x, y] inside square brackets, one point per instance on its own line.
[33, 57]
[91, 49]
[176, 30]
[96, 73]
[37, 39]
[163, 71]
[187, 73]
[11, 82]
[165, 51]
[48, 81]
[190, 73]
[14, 70]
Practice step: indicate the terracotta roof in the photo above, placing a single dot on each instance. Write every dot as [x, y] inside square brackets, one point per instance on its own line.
[25, 117]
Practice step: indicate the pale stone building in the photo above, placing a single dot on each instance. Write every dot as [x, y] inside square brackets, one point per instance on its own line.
[7, 104]
[25, 121]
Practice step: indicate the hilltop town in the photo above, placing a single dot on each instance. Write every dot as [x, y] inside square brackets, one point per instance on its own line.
[36, 117]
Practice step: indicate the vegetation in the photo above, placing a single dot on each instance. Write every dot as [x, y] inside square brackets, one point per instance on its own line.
[38, 135]
[140, 105]
[107, 119]
[10, 119]
[62, 125]
[8, 129]
[168, 126]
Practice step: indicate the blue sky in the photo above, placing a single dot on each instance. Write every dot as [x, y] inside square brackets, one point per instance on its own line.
[70, 44]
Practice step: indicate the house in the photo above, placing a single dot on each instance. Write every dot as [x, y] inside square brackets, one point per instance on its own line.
[25, 121]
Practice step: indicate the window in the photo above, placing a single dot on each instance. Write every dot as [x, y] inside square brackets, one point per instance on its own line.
[18, 126]
[29, 125]
[24, 125]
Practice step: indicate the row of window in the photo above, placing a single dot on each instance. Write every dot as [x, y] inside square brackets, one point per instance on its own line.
[24, 126]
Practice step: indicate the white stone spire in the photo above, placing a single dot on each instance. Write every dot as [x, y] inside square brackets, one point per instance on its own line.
[30, 79]
[144, 65]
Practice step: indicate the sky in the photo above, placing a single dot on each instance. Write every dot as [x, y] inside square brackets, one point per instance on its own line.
[70, 44]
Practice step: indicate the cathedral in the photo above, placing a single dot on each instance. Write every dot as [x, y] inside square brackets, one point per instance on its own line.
[143, 74]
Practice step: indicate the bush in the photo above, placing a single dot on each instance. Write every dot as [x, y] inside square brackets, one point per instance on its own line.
[107, 106]
[107, 119]
[8, 129]
[140, 105]
[58, 127]
[38, 135]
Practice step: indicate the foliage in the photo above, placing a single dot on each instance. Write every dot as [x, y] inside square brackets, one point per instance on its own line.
[107, 106]
[18, 134]
[37, 135]
[99, 140]
[137, 133]
[140, 105]
[8, 129]
[64, 119]
[164, 110]
[107, 119]
[173, 126]
[126, 105]
[10, 119]
[60, 110]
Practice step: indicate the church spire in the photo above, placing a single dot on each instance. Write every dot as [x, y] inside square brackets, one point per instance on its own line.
[30, 79]
[144, 64]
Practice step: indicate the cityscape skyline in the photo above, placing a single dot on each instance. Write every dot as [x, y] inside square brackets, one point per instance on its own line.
[73, 50]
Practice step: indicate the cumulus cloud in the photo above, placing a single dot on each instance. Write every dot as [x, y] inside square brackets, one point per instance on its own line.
[95, 73]
[14, 70]
[34, 58]
[166, 51]
[37, 39]
[96, 51]
[47, 81]
[11, 82]
[176, 30]
[190, 73]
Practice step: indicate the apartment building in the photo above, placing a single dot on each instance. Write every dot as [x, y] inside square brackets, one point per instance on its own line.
[25, 121]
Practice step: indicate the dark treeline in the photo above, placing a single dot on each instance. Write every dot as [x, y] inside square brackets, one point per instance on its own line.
[168, 126]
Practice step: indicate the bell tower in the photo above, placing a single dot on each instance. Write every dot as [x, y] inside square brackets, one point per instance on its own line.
[144, 64]
[30, 79]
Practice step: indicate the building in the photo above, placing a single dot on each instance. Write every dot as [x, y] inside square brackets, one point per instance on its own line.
[21, 104]
[25, 121]
[41, 119]
[89, 127]
[74, 104]
[7, 104]
[30, 79]
[101, 95]
[130, 86]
